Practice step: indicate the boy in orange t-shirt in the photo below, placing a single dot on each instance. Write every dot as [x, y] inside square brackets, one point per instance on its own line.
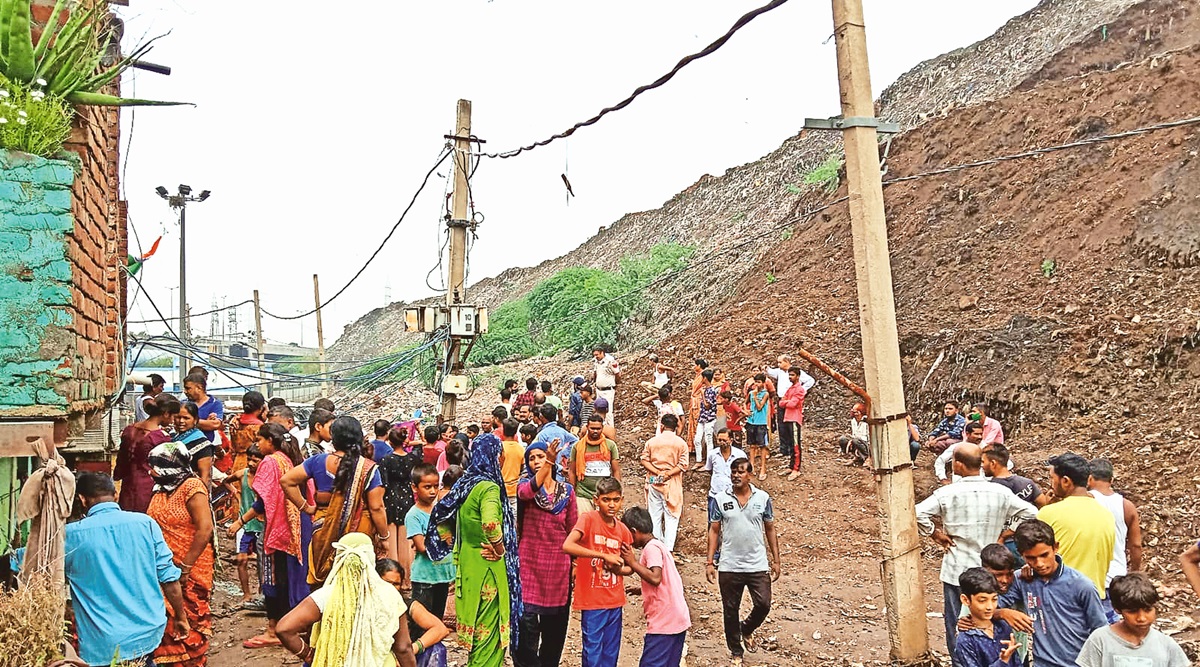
[596, 543]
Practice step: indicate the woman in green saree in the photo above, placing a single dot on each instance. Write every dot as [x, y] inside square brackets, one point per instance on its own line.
[475, 517]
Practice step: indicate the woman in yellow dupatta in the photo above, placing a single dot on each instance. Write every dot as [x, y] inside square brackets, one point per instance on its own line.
[349, 497]
[357, 619]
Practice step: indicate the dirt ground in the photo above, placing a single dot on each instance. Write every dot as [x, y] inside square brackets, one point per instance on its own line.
[827, 606]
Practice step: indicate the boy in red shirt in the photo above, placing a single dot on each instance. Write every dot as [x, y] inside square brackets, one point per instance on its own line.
[596, 544]
[734, 417]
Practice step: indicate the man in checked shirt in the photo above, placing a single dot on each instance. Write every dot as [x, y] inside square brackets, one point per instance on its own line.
[973, 513]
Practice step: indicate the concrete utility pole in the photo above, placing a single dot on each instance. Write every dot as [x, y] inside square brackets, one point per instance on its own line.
[320, 336]
[905, 600]
[258, 352]
[456, 287]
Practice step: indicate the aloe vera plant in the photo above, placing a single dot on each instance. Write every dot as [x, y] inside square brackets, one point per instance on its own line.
[68, 55]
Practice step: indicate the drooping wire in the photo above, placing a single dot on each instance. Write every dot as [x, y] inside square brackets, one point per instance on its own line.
[685, 61]
[441, 158]
[424, 181]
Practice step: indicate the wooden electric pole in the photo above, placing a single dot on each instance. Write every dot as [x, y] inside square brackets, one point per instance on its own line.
[320, 338]
[905, 600]
[258, 352]
[456, 287]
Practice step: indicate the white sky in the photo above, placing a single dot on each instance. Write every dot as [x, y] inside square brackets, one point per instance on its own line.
[313, 128]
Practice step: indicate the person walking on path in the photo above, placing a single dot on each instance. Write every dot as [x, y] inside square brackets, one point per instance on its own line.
[548, 513]
[481, 525]
[665, 460]
[606, 372]
[180, 507]
[742, 523]
[973, 513]
[120, 617]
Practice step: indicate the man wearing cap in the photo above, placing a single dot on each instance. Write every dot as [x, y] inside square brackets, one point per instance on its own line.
[575, 404]
[602, 408]
[606, 373]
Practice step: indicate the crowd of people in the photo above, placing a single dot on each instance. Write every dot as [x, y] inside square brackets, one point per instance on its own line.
[372, 544]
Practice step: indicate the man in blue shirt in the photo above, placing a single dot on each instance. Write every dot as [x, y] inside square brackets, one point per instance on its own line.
[119, 568]
[948, 431]
[380, 445]
[549, 430]
[1063, 605]
[211, 411]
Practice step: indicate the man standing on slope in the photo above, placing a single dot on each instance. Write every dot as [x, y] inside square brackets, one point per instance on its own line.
[1127, 522]
[607, 372]
[782, 384]
[1086, 533]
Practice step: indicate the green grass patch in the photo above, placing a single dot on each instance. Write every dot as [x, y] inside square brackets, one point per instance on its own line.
[826, 175]
[575, 308]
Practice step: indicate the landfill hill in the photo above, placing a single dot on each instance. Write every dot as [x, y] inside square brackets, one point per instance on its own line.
[737, 203]
[1063, 290]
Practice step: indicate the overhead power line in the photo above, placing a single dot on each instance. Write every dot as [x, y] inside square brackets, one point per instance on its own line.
[442, 158]
[684, 62]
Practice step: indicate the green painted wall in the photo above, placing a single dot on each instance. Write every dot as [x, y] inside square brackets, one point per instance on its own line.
[35, 283]
[9, 488]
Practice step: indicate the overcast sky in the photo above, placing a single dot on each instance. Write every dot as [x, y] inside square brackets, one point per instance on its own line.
[312, 128]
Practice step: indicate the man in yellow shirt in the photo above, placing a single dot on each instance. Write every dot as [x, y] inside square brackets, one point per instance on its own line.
[1084, 528]
[514, 460]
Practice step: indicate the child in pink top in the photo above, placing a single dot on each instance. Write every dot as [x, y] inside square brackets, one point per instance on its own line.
[667, 617]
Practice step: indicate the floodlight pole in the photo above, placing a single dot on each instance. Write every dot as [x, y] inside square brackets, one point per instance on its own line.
[179, 202]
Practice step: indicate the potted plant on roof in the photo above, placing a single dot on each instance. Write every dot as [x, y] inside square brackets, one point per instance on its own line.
[42, 81]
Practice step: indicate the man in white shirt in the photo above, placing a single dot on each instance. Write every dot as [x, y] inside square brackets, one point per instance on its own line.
[1126, 520]
[973, 512]
[607, 372]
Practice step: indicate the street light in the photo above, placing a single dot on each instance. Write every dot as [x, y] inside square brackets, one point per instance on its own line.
[180, 202]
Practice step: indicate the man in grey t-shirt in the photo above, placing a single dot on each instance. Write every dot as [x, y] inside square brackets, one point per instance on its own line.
[743, 522]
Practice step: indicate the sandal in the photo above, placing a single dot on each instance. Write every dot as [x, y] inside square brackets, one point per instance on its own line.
[260, 641]
[762, 476]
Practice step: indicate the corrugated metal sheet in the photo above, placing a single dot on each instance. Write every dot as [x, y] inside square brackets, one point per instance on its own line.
[105, 435]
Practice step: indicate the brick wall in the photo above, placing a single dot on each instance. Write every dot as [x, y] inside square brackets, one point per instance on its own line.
[62, 289]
